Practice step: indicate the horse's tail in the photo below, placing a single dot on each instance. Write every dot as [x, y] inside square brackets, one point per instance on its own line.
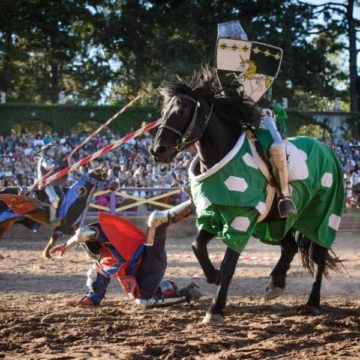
[332, 261]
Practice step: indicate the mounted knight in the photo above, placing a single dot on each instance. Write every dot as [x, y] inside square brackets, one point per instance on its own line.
[51, 160]
[237, 58]
[231, 184]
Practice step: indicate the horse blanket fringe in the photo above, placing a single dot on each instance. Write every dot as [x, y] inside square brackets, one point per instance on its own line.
[231, 196]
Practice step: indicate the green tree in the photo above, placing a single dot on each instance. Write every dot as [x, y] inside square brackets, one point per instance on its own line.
[57, 51]
[339, 20]
[12, 50]
[156, 40]
[82, 46]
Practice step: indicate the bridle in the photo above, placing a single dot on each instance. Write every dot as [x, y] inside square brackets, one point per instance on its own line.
[186, 138]
[98, 183]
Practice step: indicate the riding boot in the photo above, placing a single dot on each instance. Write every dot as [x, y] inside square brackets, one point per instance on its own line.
[286, 207]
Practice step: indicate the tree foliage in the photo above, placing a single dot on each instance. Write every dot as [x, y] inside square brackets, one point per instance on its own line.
[96, 49]
[47, 47]
[339, 21]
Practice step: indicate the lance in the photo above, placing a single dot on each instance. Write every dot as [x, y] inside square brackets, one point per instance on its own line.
[94, 133]
[99, 153]
[102, 127]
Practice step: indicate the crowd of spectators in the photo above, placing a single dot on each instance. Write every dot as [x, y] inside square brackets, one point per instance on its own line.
[131, 164]
[349, 156]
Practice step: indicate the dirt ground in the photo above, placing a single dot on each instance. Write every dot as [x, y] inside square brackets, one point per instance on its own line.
[35, 323]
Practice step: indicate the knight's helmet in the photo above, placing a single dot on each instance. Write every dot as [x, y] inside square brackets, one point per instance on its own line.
[231, 30]
[244, 66]
[92, 248]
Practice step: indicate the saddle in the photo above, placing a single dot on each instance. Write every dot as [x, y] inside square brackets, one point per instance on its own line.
[260, 141]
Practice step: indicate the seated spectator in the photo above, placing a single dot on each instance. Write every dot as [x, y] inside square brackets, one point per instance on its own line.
[131, 164]
[102, 200]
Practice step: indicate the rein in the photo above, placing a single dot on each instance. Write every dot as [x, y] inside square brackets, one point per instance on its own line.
[100, 184]
[185, 139]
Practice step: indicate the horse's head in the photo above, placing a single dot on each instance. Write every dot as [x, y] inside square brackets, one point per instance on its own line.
[99, 173]
[185, 115]
[103, 179]
[191, 111]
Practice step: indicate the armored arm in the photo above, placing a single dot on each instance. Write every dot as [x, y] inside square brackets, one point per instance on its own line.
[81, 235]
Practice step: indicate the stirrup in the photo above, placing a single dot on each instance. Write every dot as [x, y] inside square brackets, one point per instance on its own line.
[286, 207]
[55, 223]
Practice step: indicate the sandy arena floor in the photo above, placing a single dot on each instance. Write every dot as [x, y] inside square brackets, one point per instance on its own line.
[36, 324]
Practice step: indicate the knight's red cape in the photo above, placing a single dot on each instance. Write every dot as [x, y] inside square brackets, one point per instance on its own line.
[122, 234]
[127, 240]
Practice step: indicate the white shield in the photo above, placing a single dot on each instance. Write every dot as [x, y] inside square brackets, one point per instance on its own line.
[247, 66]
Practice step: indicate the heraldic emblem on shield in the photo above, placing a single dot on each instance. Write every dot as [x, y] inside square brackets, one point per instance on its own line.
[247, 66]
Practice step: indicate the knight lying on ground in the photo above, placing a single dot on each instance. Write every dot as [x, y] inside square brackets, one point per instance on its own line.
[137, 260]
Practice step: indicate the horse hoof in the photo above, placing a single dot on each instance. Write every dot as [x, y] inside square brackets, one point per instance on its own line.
[273, 293]
[212, 319]
[308, 310]
[46, 254]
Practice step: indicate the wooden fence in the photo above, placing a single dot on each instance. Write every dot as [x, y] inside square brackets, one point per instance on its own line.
[136, 201]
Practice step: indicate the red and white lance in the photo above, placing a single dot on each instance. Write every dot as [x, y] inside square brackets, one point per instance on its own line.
[99, 153]
[103, 126]
[94, 133]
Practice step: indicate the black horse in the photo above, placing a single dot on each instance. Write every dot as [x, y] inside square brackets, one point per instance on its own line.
[199, 114]
[71, 210]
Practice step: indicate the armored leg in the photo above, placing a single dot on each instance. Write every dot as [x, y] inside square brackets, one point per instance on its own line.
[173, 215]
[286, 206]
[54, 204]
[154, 258]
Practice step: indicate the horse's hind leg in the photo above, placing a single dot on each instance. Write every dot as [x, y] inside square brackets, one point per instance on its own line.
[6, 226]
[278, 276]
[199, 247]
[227, 269]
[318, 255]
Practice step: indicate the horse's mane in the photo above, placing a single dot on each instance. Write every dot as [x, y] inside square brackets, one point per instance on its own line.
[234, 108]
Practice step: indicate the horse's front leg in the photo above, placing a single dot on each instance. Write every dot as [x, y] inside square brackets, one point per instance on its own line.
[319, 255]
[278, 276]
[56, 235]
[227, 269]
[200, 250]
